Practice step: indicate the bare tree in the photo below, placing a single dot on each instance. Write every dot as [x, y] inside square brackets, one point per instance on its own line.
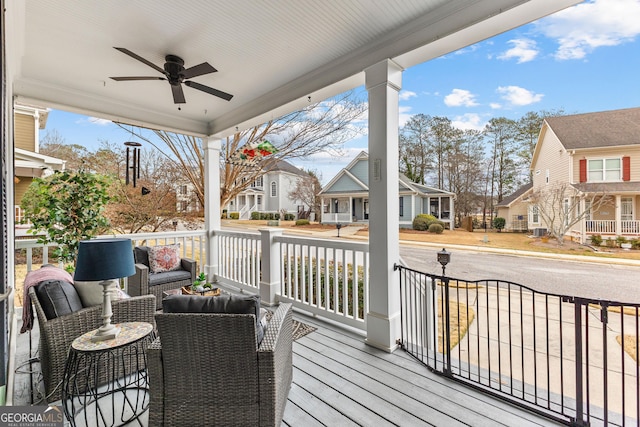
[559, 206]
[53, 144]
[307, 189]
[321, 127]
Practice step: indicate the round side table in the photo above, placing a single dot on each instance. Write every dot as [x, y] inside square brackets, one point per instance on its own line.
[105, 383]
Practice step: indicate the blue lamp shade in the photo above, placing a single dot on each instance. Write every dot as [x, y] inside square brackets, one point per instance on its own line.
[104, 259]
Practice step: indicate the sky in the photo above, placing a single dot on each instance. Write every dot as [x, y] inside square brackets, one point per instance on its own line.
[583, 59]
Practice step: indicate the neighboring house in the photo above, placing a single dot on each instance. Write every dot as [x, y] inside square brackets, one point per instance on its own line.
[186, 199]
[345, 198]
[29, 163]
[515, 210]
[596, 153]
[269, 193]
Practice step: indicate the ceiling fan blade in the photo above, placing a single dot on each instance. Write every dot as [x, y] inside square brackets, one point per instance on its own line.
[198, 70]
[210, 90]
[124, 79]
[178, 94]
[140, 58]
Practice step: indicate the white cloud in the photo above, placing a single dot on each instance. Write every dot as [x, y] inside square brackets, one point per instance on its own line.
[582, 28]
[468, 121]
[403, 115]
[407, 94]
[460, 98]
[99, 122]
[516, 95]
[495, 105]
[524, 50]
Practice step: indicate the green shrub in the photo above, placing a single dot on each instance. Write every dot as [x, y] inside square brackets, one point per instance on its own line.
[234, 215]
[620, 240]
[596, 240]
[499, 223]
[302, 222]
[635, 243]
[289, 217]
[610, 243]
[224, 215]
[255, 215]
[420, 223]
[276, 216]
[436, 228]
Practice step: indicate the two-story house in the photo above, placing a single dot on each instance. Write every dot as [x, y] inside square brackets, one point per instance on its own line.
[29, 120]
[269, 193]
[345, 198]
[597, 154]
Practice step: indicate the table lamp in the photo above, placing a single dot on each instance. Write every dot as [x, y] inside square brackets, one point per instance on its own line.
[102, 260]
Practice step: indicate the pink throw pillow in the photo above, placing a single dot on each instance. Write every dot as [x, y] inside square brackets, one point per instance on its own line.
[164, 258]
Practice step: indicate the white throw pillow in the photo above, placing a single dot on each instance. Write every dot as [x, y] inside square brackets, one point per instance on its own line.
[91, 292]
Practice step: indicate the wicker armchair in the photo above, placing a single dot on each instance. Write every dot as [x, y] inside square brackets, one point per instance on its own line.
[205, 370]
[56, 335]
[144, 282]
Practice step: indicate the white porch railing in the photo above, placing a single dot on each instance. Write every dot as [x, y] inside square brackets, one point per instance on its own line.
[600, 226]
[192, 245]
[336, 217]
[326, 277]
[630, 227]
[239, 255]
[329, 278]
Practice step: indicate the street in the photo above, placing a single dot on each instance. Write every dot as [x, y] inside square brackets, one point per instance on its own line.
[591, 280]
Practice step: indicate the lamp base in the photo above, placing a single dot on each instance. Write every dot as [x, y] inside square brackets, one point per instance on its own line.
[104, 335]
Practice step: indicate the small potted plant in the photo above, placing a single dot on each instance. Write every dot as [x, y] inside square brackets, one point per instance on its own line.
[200, 283]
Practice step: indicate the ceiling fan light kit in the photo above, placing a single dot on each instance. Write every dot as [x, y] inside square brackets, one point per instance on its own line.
[175, 73]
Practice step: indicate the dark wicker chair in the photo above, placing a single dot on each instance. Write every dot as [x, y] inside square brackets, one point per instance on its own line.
[205, 370]
[144, 282]
[56, 335]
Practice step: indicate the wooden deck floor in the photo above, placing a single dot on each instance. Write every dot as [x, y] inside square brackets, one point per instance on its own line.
[340, 381]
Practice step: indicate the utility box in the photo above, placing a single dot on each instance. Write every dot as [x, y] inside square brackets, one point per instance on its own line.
[539, 232]
[467, 223]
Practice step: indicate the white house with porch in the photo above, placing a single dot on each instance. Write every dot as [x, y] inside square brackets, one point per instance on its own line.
[345, 199]
[269, 193]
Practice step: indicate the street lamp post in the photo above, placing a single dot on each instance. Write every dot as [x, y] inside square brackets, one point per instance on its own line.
[444, 258]
[338, 226]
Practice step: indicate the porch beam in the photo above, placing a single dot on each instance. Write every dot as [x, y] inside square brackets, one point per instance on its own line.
[212, 210]
[383, 82]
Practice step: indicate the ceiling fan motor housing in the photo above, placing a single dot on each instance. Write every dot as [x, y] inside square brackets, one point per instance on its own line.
[174, 66]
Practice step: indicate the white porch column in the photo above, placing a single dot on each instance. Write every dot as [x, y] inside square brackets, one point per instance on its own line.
[452, 216]
[269, 266]
[583, 222]
[618, 211]
[383, 82]
[212, 209]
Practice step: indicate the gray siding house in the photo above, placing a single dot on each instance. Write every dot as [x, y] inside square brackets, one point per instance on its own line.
[345, 199]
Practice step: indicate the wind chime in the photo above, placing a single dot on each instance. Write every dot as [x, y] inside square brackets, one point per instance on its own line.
[133, 153]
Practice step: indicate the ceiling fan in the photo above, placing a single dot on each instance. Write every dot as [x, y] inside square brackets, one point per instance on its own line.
[175, 73]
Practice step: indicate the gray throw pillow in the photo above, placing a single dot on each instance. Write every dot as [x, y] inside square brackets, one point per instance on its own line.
[141, 255]
[230, 304]
[57, 298]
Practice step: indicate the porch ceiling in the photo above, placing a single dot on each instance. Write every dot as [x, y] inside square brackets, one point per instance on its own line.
[271, 55]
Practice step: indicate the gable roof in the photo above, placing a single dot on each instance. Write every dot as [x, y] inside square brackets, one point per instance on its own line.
[284, 166]
[594, 130]
[516, 195]
[405, 184]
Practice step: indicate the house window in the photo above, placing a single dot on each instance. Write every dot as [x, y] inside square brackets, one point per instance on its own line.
[401, 206]
[601, 170]
[567, 213]
[183, 205]
[547, 177]
[626, 209]
[257, 182]
[259, 200]
[535, 217]
[274, 189]
[183, 190]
